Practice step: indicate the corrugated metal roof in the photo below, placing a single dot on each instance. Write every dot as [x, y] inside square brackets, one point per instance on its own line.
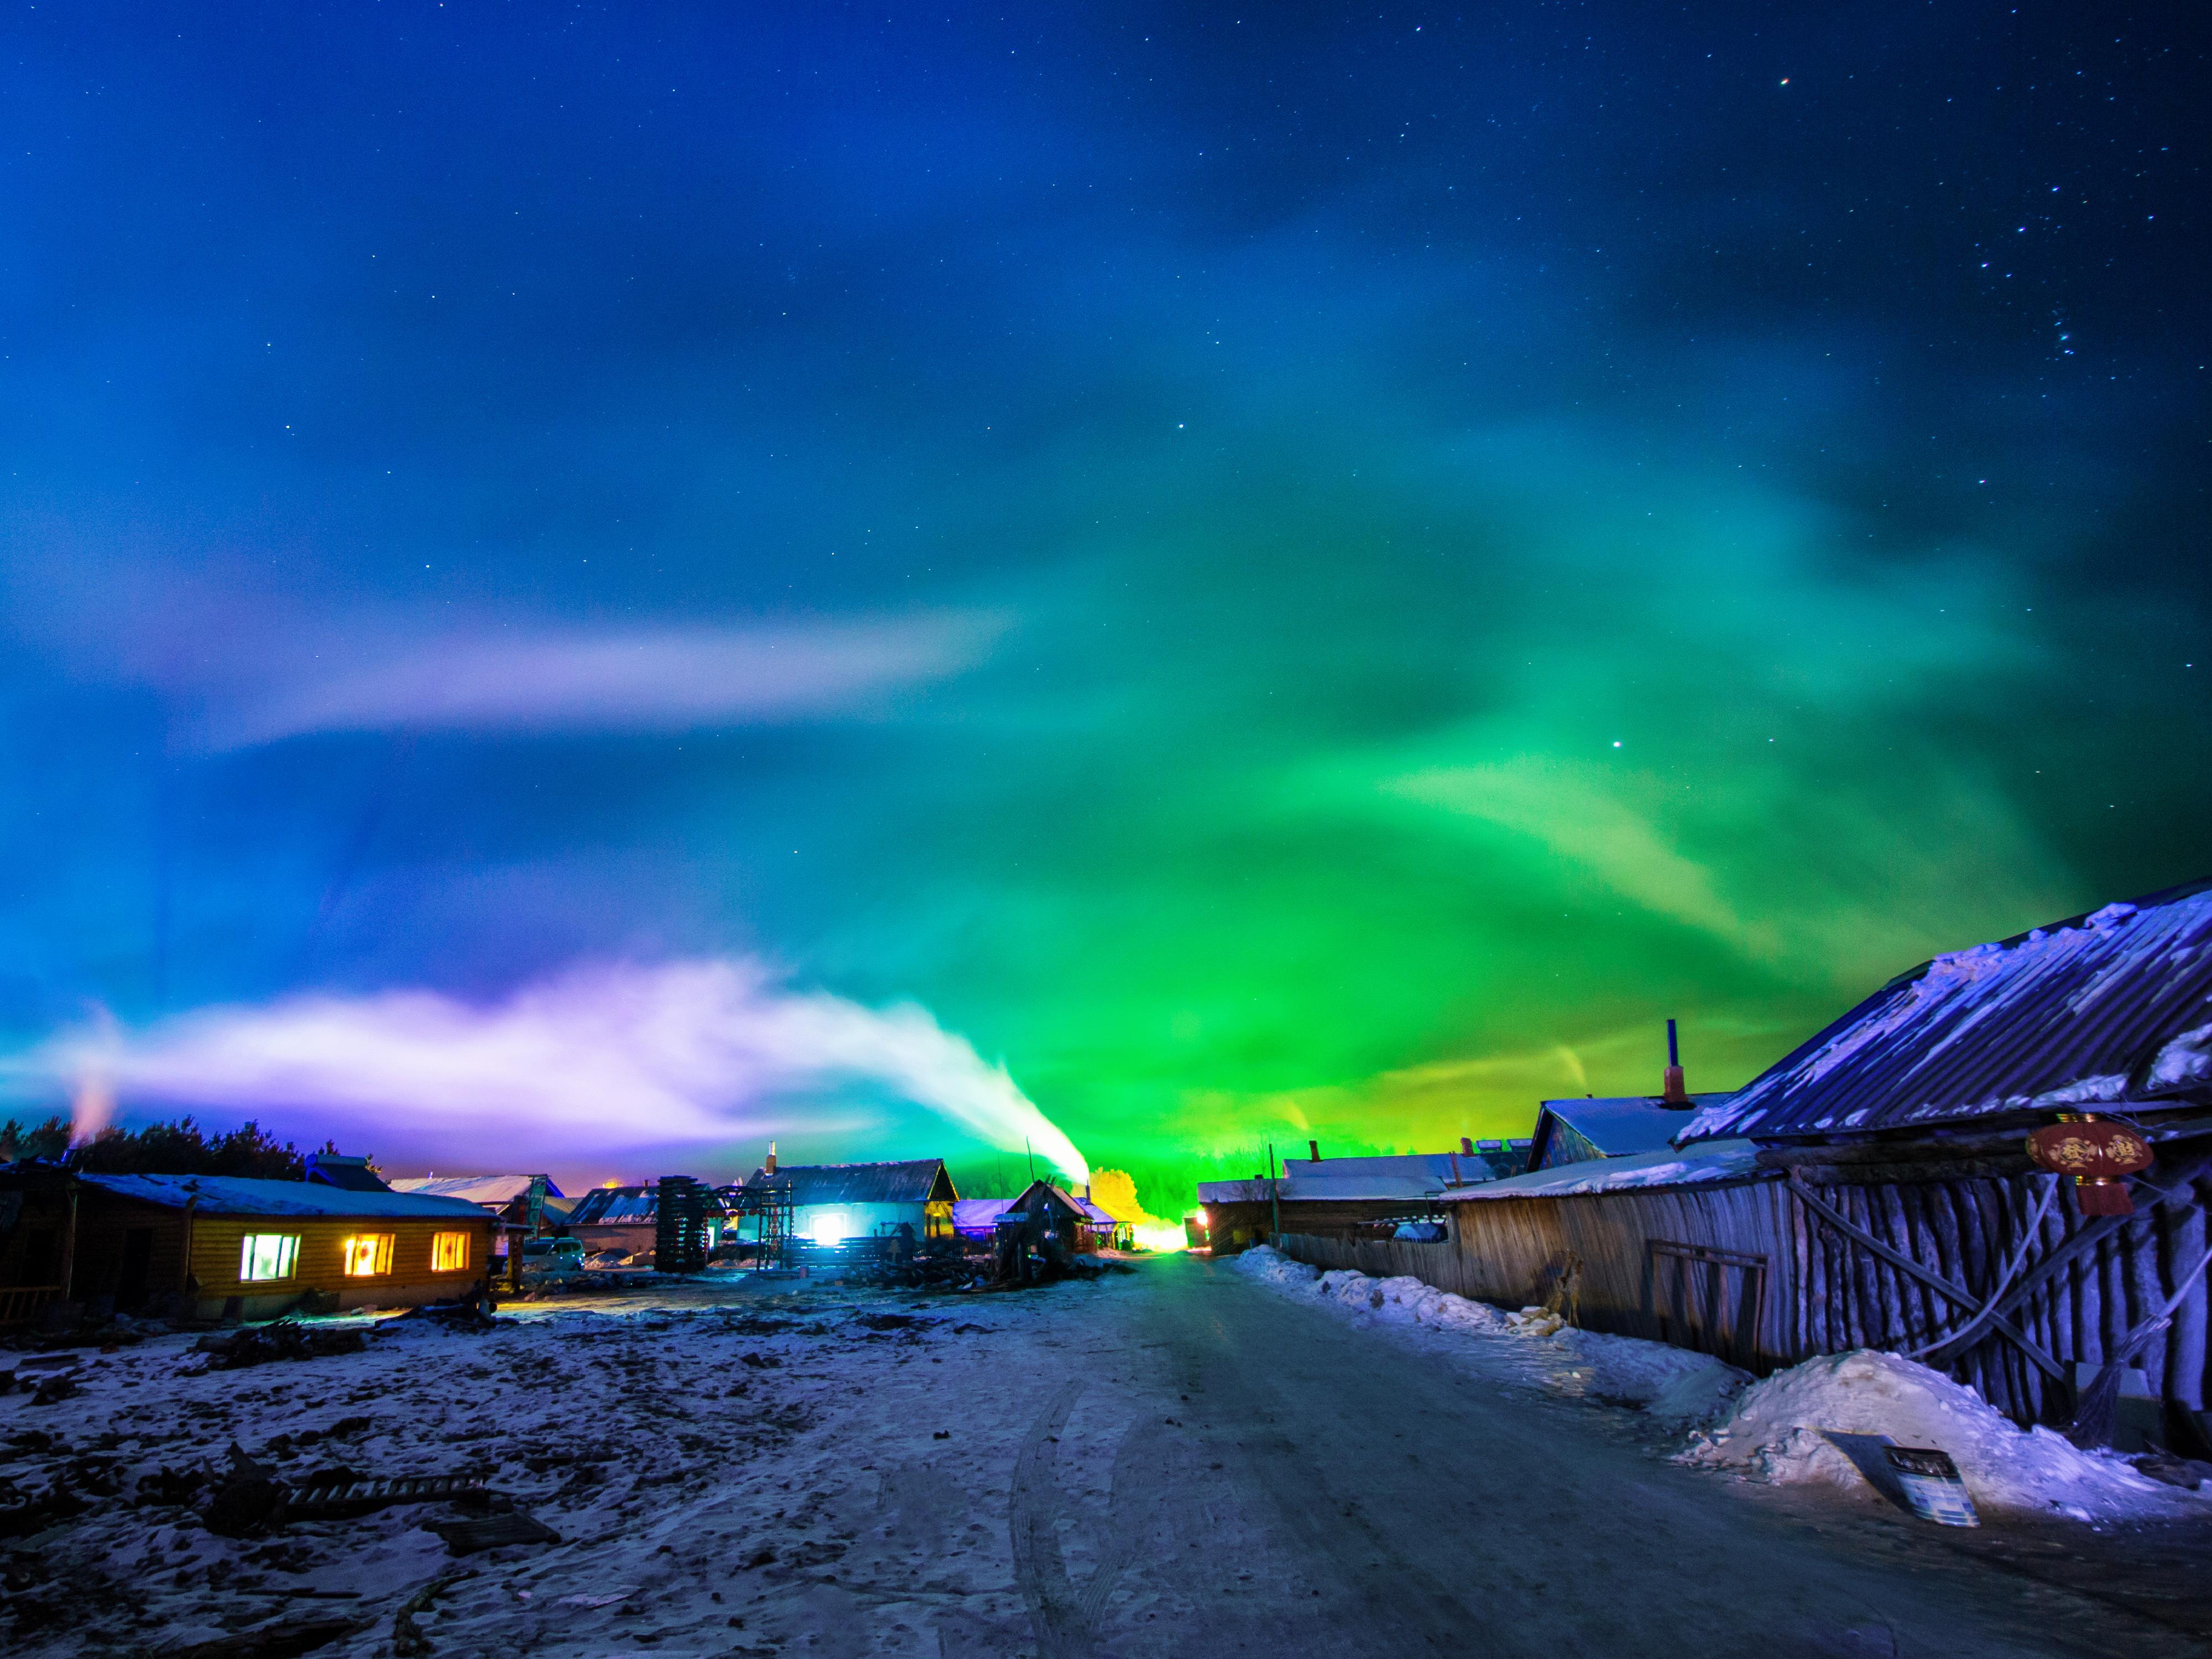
[236, 1195]
[494, 1191]
[1619, 1126]
[1712, 1160]
[912, 1182]
[979, 1215]
[2111, 1006]
[616, 1206]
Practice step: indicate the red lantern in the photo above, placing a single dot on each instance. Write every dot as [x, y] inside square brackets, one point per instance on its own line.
[2097, 1155]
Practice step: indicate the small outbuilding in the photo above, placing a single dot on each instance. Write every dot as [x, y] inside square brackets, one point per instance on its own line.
[1041, 1233]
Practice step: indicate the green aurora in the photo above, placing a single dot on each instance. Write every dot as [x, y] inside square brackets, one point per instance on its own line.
[1456, 562]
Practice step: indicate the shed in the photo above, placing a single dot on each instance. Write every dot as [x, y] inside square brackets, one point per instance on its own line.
[1574, 1130]
[214, 1246]
[1041, 1233]
[834, 1202]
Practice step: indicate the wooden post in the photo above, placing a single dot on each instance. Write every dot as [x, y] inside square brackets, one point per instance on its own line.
[69, 1241]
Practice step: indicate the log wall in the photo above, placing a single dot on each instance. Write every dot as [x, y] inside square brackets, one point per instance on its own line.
[1677, 1264]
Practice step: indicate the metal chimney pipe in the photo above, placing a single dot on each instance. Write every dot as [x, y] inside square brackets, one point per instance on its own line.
[1313, 1146]
[1672, 1093]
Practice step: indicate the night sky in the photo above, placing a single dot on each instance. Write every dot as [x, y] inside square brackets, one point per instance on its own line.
[582, 587]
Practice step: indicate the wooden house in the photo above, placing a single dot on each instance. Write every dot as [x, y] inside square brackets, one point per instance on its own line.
[218, 1246]
[1875, 1186]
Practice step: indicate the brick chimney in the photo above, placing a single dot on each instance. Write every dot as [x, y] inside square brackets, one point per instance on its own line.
[1466, 1148]
[769, 1167]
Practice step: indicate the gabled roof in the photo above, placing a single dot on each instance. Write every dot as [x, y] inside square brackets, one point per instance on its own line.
[351, 1173]
[919, 1181]
[493, 1192]
[2114, 1006]
[235, 1195]
[616, 1206]
[1614, 1126]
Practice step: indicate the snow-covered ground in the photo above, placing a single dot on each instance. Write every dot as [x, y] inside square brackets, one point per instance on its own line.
[708, 1467]
[1780, 1430]
[1152, 1465]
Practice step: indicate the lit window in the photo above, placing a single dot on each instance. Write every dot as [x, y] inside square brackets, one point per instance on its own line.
[268, 1255]
[449, 1253]
[367, 1254]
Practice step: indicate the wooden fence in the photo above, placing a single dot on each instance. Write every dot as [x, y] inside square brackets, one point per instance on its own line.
[1766, 1272]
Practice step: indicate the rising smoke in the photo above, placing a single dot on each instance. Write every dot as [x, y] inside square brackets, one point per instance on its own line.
[571, 1070]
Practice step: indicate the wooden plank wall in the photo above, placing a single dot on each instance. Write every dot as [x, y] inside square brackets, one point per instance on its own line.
[1826, 1293]
[216, 1241]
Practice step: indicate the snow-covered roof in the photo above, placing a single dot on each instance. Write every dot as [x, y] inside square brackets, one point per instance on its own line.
[1407, 1176]
[2109, 1007]
[493, 1192]
[1615, 1126]
[917, 1180]
[236, 1195]
[979, 1215]
[1713, 1160]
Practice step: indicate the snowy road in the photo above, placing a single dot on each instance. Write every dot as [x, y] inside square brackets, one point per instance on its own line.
[1175, 1461]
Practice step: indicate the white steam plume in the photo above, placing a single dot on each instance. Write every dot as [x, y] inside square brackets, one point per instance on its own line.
[597, 1061]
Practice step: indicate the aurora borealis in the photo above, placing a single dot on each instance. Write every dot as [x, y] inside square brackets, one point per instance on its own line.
[1278, 575]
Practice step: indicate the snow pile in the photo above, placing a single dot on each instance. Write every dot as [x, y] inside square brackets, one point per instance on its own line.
[1354, 1290]
[1672, 1384]
[1779, 1432]
[1271, 1266]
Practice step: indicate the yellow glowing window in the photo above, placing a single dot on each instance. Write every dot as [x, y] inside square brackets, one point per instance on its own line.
[367, 1254]
[449, 1253]
[268, 1255]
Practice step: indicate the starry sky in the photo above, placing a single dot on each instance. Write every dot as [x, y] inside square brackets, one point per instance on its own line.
[1192, 575]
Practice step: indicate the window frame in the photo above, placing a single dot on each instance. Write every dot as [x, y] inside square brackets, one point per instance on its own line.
[457, 1241]
[287, 1258]
[379, 1257]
